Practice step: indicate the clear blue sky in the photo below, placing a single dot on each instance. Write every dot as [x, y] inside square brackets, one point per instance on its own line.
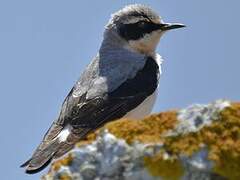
[44, 45]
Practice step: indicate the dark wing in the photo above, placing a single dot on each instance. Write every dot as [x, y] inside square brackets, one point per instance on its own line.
[81, 112]
[85, 115]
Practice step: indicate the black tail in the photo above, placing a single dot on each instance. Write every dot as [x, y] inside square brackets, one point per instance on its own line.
[36, 170]
[51, 148]
[41, 158]
[47, 151]
[25, 164]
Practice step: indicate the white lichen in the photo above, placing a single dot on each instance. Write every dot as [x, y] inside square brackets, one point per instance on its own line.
[108, 158]
[111, 158]
[195, 117]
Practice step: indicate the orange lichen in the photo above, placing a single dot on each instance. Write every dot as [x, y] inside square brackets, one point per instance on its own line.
[88, 139]
[167, 169]
[227, 152]
[222, 138]
[148, 130]
[65, 177]
[183, 144]
[66, 161]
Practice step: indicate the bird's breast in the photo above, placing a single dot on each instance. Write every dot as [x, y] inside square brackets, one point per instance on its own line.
[144, 108]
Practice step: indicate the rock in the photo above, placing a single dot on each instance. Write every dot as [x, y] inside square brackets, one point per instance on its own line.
[199, 142]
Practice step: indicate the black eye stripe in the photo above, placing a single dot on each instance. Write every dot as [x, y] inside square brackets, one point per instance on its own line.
[137, 30]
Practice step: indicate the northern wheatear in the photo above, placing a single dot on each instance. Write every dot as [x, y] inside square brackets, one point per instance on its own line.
[121, 81]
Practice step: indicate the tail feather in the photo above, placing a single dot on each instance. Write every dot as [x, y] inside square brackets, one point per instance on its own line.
[25, 163]
[52, 148]
[41, 158]
[33, 171]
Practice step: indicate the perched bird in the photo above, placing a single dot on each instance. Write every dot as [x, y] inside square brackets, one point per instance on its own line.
[121, 81]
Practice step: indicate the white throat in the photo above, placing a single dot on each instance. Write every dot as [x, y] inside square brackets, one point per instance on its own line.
[147, 44]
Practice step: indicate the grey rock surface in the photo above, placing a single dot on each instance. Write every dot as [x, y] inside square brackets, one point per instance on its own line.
[110, 158]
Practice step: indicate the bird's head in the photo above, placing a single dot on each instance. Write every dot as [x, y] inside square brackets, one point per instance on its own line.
[139, 27]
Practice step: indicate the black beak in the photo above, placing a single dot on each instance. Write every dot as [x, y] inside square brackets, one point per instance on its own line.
[169, 26]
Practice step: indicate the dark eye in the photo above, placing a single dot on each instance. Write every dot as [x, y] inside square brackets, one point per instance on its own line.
[142, 24]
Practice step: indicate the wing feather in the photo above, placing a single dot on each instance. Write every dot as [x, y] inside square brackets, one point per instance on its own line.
[85, 113]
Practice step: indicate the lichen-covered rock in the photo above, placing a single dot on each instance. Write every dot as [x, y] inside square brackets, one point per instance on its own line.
[200, 142]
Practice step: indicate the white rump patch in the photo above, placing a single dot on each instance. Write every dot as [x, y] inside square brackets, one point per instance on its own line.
[62, 136]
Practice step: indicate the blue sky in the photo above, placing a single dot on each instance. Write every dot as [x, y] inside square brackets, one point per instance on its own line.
[44, 45]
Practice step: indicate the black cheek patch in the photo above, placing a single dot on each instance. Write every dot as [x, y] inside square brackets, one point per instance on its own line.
[136, 31]
[130, 31]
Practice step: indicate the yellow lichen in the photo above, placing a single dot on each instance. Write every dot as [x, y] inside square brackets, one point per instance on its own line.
[64, 177]
[183, 144]
[148, 130]
[226, 153]
[167, 169]
[222, 138]
[66, 161]
[88, 139]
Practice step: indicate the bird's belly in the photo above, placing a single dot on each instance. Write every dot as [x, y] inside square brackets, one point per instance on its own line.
[144, 108]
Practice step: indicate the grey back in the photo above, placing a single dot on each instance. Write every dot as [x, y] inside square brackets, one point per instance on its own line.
[108, 70]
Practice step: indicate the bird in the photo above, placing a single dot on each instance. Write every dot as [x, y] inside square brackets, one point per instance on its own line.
[121, 81]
